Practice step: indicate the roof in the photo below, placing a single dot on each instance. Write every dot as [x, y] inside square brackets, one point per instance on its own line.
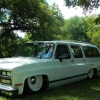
[67, 42]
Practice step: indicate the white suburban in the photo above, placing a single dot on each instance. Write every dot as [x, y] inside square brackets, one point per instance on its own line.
[46, 64]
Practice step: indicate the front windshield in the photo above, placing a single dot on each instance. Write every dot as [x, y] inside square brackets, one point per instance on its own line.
[39, 50]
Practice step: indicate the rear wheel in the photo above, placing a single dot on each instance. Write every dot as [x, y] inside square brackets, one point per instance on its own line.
[91, 73]
[34, 84]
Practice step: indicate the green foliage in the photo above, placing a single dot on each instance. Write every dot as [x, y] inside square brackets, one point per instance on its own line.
[16, 15]
[23, 15]
[75, 29]
[39, 21]
[27, 51]
[93, 30]
[85, 4]
[82, 29]
[9, 45]
[96, 38]
[97, 20]
[88, 5]
[49, 23]
[91, 26]
[35, 17]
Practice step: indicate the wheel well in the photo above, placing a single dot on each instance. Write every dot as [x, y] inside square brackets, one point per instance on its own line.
[95, 71]
[46, 81]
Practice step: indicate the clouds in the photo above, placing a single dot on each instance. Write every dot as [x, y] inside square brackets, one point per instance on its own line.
[67, 12]
[70, 12]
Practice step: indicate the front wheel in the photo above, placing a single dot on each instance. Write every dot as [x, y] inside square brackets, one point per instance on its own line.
[91, 73]
[34, 84]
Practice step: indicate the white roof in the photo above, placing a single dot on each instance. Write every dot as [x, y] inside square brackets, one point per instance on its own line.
[67, 42]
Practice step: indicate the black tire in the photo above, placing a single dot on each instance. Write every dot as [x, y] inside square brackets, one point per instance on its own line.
[91, 73]
[34, 84]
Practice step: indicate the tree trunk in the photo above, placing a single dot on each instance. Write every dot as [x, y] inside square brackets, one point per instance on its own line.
[1, 55]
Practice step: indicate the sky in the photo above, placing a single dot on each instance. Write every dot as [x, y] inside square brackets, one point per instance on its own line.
[70, 12]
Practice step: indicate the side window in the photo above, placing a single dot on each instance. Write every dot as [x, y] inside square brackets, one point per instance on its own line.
[91, 51]
[77, 53]
[62, 50]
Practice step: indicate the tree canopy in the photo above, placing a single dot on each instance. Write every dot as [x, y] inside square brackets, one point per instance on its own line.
[85, 4]
[39, 21]
[19, 15]
[75, 29]
[33, 17]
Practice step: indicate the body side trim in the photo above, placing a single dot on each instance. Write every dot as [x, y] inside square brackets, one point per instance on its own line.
[67, 78]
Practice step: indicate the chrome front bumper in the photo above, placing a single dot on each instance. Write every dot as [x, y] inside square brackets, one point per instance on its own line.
[8, 90]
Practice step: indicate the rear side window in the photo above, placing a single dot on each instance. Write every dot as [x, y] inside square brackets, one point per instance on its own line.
[91, 51]
[77, 53]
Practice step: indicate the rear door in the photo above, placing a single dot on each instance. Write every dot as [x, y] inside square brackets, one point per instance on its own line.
[79, 60]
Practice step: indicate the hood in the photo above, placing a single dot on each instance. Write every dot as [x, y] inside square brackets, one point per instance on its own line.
[10, 63]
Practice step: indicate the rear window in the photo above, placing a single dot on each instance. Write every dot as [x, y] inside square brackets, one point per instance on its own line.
[91, 51]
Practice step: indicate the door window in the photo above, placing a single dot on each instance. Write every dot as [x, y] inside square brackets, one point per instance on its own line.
[62, 50]
[77, 53]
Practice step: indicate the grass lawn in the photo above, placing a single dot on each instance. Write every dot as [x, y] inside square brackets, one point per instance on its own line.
[88, 89]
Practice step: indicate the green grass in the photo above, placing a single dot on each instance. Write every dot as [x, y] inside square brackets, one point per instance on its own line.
[88, 89]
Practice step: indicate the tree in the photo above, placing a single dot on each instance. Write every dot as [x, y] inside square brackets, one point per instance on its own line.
[75, 29]
[97, 20]
[93, 23]
[9, 45]
[16, 15]
[85, 4]
[30, 16]
[20, 15]
[50, 23]
[96, 38]
[91, 26]
[34, 16]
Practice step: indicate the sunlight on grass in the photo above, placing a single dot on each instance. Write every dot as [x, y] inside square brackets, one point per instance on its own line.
[97, 88]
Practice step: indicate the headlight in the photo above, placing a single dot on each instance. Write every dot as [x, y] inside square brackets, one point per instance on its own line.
[3, 73]
[5, 81]
[9, 74]
[6, 73]
[5, 77]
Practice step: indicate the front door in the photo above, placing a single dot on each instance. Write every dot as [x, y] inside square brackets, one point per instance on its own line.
[63, 63]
